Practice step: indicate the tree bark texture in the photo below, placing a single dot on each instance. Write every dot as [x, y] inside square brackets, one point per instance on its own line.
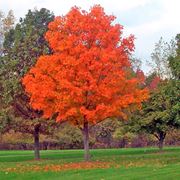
[36, 142]
[86, 141]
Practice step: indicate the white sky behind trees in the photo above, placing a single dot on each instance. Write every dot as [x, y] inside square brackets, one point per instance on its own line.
[148, 20]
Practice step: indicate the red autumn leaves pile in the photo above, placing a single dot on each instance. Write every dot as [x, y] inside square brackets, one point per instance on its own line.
[86, 77]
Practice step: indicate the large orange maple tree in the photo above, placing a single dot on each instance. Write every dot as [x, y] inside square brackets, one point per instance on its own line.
[86, 79]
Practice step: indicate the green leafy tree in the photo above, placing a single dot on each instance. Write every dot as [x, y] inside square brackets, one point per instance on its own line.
[160, 114]
[22, 46]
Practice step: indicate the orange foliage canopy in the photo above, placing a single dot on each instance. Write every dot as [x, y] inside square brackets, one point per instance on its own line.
[86, 76]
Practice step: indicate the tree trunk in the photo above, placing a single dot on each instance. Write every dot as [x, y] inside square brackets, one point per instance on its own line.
[161, 141]
[36, 142]
[86, 141]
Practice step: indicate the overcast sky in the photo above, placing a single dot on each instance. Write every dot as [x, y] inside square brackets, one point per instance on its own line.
[148, 20]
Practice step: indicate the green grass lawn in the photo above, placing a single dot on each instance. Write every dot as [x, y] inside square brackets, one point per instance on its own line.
[132, 163]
